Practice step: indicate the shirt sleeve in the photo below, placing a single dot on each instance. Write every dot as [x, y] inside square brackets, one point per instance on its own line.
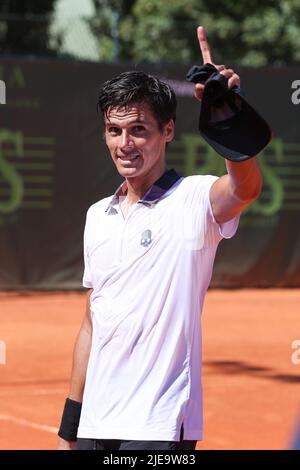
[215, 231]
[207, 232]
[87, 275]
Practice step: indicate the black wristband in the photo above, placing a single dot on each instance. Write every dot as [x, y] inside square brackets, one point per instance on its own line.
[70, 420]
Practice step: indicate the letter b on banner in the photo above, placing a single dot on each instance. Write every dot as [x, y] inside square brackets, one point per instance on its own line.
[2, 92]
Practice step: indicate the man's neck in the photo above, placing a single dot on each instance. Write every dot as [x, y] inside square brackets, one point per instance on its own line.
[137, 187]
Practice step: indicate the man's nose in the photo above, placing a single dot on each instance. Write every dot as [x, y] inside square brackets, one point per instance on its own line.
[126, 140]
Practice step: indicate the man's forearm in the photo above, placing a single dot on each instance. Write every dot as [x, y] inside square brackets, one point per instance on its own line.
[82, 348]
[80, 361]
[245, 178]
[81, 354]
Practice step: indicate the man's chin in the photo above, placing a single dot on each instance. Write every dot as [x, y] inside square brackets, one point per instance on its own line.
[129, 172]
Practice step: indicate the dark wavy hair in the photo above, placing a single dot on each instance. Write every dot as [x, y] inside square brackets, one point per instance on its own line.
[137, 87]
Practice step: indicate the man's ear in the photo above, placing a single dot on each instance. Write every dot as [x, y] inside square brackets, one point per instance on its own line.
[169, 130]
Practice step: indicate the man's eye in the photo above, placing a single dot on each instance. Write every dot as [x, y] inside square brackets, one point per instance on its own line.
[139, 128]
[113, 130]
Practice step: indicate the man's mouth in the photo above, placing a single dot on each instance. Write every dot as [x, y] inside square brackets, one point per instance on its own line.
[130, 158]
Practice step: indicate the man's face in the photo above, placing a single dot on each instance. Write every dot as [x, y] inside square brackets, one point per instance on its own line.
[135, 142]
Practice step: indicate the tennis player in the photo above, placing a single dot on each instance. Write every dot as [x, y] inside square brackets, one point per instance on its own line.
[149, 250]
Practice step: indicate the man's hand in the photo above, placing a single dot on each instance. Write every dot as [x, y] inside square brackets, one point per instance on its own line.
[66, 445]
[233, 78]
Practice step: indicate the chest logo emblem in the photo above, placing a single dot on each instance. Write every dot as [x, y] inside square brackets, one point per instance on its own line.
[146, 238]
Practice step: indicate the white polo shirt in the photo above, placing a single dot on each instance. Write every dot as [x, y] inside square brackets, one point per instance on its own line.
[149, 274]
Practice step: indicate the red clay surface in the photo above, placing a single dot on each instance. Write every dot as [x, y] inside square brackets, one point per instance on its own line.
[251, 386]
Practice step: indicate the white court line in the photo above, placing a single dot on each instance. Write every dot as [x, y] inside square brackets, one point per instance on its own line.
[29, 424]
[42, 391]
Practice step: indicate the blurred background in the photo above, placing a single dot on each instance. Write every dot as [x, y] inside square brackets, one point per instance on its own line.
[53, 161]
[54, 56]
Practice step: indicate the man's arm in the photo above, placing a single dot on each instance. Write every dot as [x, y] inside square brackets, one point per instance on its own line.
[231, 193]
[81, 355]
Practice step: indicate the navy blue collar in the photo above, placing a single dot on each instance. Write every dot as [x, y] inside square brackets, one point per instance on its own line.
[154, 193]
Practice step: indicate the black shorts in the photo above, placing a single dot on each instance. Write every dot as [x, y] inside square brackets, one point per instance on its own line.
[116, 444]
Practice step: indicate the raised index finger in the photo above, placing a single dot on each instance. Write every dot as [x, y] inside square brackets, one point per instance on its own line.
[205, 49]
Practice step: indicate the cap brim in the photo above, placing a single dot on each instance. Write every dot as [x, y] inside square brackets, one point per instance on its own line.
[238, 138]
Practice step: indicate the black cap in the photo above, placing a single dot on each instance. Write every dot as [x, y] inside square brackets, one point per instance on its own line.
[227, 122]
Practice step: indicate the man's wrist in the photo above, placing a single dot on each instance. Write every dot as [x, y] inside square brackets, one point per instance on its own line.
[70, 420]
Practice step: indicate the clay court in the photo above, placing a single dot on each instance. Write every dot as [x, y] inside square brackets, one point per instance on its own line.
[251, 386]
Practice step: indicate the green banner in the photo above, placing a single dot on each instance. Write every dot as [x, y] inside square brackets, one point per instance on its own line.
[54, 165]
